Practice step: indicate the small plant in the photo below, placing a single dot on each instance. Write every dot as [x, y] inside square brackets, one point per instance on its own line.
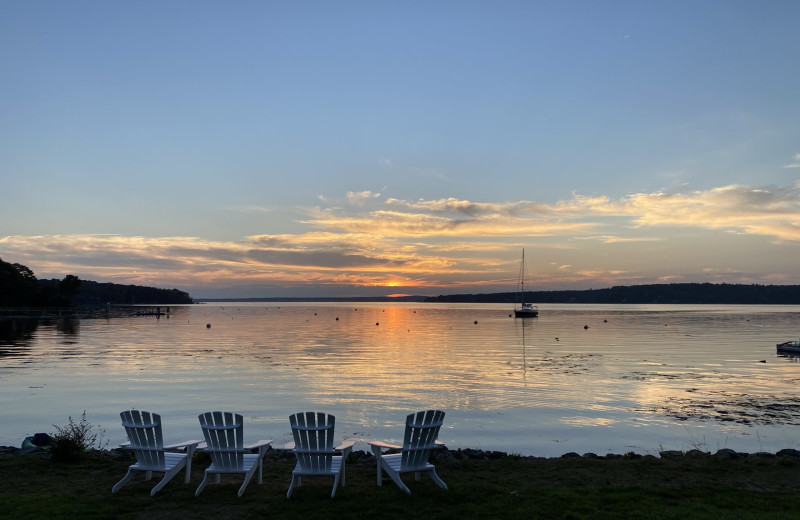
[72, 440]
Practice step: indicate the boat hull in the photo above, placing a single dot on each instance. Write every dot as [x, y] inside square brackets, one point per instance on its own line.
[789, 347]
[526, 313]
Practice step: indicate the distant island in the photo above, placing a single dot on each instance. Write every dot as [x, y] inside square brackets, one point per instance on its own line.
[679, 293]
[19, 287]
[332, 299]
[97, 293]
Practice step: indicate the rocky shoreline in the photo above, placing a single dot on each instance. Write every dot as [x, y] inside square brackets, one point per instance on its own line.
[448, 455]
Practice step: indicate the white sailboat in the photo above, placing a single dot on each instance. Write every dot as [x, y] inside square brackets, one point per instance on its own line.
[524, 310]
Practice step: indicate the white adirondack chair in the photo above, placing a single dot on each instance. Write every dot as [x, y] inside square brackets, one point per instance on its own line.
[224, 435]
[421, 436]
[146, 441]
[313, 446]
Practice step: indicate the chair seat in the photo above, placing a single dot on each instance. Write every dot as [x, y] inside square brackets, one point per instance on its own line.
[170, 461]
[248, 461]
[395, 462]
[336, 465]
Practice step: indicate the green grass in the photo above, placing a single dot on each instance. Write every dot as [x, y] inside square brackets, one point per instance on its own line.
[689, 487]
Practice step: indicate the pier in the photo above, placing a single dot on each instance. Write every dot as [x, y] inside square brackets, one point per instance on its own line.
[84, 312]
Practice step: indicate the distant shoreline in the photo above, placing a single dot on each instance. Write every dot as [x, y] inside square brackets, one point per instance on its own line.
[678, 293]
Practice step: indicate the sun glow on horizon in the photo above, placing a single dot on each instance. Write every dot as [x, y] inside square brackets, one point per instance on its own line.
[429, 245]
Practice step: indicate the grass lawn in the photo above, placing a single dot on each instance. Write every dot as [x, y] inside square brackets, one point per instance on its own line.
[503, 488]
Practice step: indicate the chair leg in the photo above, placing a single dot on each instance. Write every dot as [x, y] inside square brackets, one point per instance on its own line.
[291, 487]
[436, 479]
[397, 480]
[129, 475]
[188, 476]
[247, 478]
[335, 483]
[167, 477]
[202, 485]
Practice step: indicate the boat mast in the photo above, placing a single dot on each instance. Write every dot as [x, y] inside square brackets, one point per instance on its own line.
[522, 279]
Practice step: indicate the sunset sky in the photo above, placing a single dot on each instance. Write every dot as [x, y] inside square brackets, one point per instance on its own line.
[366, 148]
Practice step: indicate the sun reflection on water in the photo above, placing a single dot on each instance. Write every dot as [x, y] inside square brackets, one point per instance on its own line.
[505, 383]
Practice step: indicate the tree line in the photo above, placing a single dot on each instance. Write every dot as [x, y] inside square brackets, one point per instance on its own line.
[19, 287]
[685, 293]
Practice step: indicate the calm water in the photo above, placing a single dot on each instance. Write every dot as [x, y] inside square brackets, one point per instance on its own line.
[640, 378]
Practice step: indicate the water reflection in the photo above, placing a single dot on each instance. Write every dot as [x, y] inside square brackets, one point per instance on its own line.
[68, 330]
[793, 358]
[16, 336]
[506, 383]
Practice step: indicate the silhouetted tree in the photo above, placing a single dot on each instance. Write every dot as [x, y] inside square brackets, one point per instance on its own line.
[69, 286]
[18, 285]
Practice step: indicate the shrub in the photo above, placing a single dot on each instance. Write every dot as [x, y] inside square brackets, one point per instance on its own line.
[72, 440]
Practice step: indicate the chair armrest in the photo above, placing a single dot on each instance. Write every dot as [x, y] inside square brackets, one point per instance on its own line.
[345, 445]
[385, 445]
[378, 447]
[438, 442]
[345, 448]
[289, 446]
[181, 445]
[125, 446]
[260, 446]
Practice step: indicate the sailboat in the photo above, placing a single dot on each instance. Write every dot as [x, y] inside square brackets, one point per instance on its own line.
[525, 310]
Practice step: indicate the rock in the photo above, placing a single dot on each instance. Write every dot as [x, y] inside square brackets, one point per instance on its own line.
[789, 453]
[727, 453]
[697, 454]
[470, 453]
[571, 455]
[671, 454]
[446, 456]
[8, 451]
[763, 455]
[120, 454]
[496, 454]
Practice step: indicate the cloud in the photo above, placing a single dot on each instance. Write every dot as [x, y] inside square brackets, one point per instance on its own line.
[796, 163]
[764, 211]
[770, 211]
[366, 240]
[358, 198]
[251, 208]
[407, 224]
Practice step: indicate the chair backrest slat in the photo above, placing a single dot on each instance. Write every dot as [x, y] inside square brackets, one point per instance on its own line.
[422, 431]
[313, 440]
[144, 434]
[224, 436]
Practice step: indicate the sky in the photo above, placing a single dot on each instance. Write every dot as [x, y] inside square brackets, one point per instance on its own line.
[372, 148]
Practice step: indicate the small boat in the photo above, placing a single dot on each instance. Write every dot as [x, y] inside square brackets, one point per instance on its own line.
[525, 310]
[789, 347]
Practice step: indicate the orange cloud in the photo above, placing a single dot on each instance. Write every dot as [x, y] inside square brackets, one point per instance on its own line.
[368, 241]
